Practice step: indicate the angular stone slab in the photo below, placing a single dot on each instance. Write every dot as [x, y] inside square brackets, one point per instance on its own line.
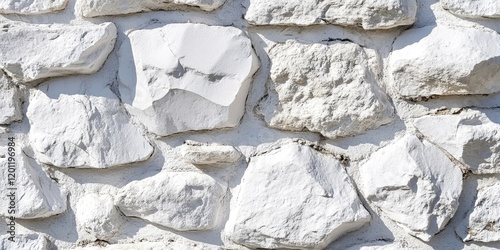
[473, 9]
[10, 101]
[483, 219]
[205, 154]
[327, 88]
[294, 197]
[184, 77]
[30, 7]
[414, 184]
[96, 217]
[367, 14]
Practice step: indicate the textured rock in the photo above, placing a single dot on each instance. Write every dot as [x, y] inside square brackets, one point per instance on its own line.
[294, 197]
[97, 217]
[475, 8]
[93, 8]
[183, 77]
[25, 242]
[67, 49]
[203, 154]
[414, 184]
[73, 128]
[37, 195]
[325, 88]
[170, 245]
[471, 137]
[28, 7]
[484, 224]
[179, 200]
[425, 62]
[10, 101]
[368, 14]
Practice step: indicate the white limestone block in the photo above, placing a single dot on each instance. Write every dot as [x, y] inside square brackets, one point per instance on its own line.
[30, 7]
[473, 8]
[10, 101]
[97, 218]
[24, 242]
[483, 224]
[206, 154]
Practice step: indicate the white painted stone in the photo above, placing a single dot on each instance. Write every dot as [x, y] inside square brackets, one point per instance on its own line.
[93, 8]
[203, 154]
[73, 128]
[414, 184]
[29, 7]
[470, 137]
[174, 245]
[30, 52]
[327, 88]
[367, 14]
[294, 197]
[183, 77]
[97, 217]
[10, 101]
[179, 200]
[24, 242]
[483, 221]
[473, 8]
[425, 61]
[37, 196]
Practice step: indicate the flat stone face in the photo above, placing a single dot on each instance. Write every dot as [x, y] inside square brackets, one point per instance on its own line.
[184, 77]
[425, 62]
[73, 128]
[97, 218]
[10, 101]
[414, 184]
[471, 137]
[474, 9]
[179, 200]
[483, 222]
[325, 88]
[93, 8]
[25, 242]
[29, 7]
[367, 14]
[205, 154]
[294, 197]
[68, 49]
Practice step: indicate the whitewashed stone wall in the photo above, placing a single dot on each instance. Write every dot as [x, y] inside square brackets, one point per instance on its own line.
[250, 124]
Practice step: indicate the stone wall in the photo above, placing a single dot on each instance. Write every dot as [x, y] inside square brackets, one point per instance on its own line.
[250, 124]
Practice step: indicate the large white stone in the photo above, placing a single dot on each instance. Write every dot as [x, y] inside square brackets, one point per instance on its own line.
[368, 14]
[28, 7]
[29, 52]
[73, 128]
[294, 197]
[183, 77]
[179, 200]
[483, 221]
[93, 8]
[97, 218]
[441, 60]
[471, 137]
[205, 154]
[473, 8]
[327, 88]
[414, 184]
[36, 196]
[24, 242]
[10, 101]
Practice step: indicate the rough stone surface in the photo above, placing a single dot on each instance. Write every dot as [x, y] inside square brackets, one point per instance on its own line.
[28, 7]
[425, 62]
[24, 242]
[72, 128]
[170, 90]
[470, 137]
[414, 184]
[368, 14]
[483, 222]
[204, 154]
[474, 9]
[69, 49]
[325, 88]
[97, 217]
[10, 101]
[308, 195]
[179, 200]
[93, 8]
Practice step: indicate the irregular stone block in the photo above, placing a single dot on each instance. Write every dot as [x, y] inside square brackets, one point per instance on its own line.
[184, 77]
[25, 242]
[414, 184]
[204, 154]
[471, 137]
[294, 197]
[30, 52]
[483, 221]
[473, 9]
[97, 218]
[93, 8]
[10, 101]
[179, 200]
[426, 62]
[74, 128]
[367, 14]
[327, 88]
[29, 7]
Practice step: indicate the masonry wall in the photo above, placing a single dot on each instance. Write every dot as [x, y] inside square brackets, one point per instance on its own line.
[250, 124]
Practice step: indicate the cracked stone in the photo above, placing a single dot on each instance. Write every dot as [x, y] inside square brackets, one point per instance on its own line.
[10, 101]
[30, 7]
[473, 9]
[205, 154]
